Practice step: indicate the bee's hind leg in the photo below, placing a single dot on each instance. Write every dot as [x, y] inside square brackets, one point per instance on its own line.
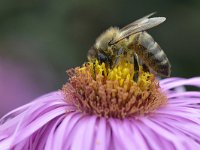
[138, 63]
[145, 68]
[136, 68]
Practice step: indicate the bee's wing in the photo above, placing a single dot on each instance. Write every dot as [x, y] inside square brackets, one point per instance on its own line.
[138, 26]
[137, 21]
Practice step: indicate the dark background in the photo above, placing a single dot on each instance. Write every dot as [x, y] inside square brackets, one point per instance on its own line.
[41, 39]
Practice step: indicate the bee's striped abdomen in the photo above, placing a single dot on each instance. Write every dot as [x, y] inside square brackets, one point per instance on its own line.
[151, 54]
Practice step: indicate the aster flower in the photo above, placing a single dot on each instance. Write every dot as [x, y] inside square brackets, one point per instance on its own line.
[101, 108]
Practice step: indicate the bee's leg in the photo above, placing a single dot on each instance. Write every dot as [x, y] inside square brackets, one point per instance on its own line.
[145, 68]
[94, 70]
[136, 68]
[109, 61]
[119, 53]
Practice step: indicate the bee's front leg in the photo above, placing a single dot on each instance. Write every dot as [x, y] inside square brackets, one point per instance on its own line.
[136, 67]
[117, 59]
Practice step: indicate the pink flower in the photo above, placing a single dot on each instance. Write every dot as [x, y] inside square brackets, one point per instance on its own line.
[49, 122]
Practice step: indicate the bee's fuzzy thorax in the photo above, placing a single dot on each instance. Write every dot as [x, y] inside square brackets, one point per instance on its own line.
[103, 40]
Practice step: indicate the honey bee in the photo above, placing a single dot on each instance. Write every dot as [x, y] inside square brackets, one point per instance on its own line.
[133, 43]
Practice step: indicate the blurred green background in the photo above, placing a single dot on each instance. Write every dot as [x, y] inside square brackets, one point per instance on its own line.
[46, 37]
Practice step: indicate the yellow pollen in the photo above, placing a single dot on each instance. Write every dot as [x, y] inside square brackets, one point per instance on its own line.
[122, 72]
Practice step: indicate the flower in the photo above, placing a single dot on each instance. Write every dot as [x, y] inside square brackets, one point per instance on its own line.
[103, 108]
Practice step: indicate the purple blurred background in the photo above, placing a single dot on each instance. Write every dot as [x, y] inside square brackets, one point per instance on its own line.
[21, 82]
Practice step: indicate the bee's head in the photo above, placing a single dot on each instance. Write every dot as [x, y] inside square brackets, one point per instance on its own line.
[102, 42]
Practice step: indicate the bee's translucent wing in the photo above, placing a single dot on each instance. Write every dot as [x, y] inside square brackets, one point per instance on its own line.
[138, 26]
[142, 25]
[136, 22]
